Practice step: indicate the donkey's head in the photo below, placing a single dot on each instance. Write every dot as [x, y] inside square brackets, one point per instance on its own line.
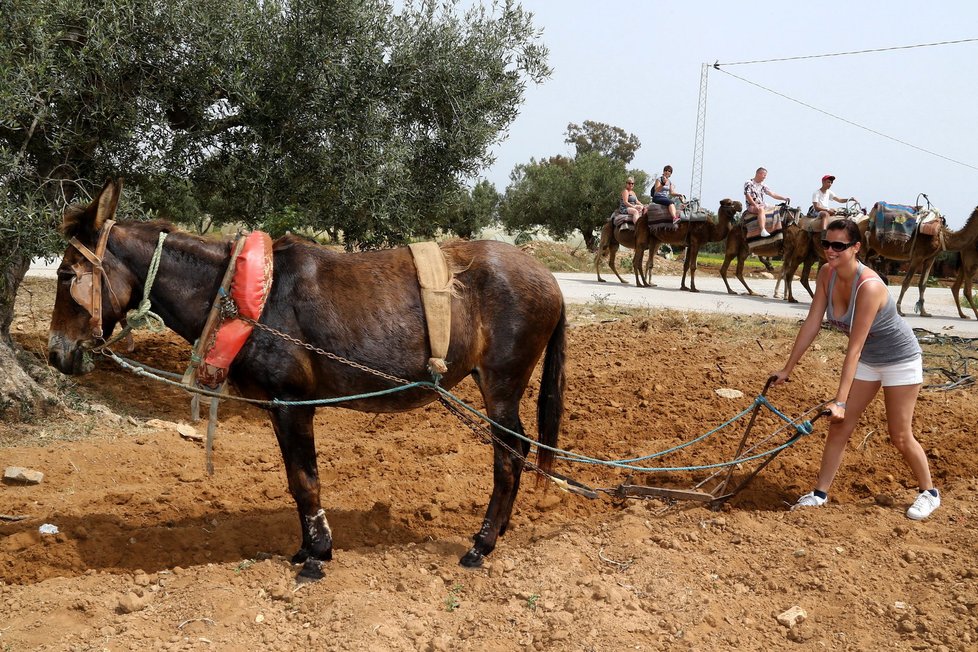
[94, 287]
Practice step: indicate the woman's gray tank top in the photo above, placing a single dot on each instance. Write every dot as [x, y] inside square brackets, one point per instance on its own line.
[890, 339]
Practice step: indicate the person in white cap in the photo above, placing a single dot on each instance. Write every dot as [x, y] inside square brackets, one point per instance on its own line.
[820, 202]
[754, 191]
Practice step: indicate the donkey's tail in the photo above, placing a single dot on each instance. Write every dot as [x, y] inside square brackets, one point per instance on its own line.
[550, 405]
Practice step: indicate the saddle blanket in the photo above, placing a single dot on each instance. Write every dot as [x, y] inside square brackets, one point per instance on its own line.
[618, 219]
[753, 227]
[893, 222]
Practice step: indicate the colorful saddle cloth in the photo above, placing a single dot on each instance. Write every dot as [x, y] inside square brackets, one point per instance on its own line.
[893, 222]
[753, 228]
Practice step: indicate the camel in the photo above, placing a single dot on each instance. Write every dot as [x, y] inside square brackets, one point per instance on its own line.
[966, 274]
[613, 237]
[691, 235]
[807, 252]
[921, 251]
[794, 246]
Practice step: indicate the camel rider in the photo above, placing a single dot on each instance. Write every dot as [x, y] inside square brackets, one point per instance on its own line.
[663, 192]
[754, 191]
[820, 202]
[629, 205]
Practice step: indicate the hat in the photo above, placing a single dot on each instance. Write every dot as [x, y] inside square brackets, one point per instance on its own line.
[828, 177]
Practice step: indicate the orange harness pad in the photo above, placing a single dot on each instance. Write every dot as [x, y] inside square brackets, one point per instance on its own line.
[250, 288]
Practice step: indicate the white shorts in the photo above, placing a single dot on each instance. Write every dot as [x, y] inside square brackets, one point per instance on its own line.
[908, 372]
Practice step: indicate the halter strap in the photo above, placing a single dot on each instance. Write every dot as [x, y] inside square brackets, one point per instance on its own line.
[98, 271]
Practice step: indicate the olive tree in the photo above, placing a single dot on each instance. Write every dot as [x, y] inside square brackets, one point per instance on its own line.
[354, 117]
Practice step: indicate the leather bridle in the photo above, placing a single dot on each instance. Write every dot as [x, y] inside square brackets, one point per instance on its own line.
[86, 286]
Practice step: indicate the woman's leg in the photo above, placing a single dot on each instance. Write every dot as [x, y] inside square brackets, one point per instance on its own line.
[860, 394]
[900, 402]
[633, 213]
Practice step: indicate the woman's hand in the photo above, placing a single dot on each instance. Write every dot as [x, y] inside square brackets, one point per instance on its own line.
[779, 377]
[838, 412]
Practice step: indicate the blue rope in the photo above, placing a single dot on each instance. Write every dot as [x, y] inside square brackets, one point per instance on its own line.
[801, 428]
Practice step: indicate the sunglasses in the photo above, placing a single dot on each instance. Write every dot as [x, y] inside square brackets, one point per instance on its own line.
[836, 246]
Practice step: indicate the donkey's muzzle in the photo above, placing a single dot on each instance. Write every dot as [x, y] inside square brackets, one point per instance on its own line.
[67, 357]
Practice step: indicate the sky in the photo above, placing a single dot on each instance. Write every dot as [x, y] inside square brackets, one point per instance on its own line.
[637, 65]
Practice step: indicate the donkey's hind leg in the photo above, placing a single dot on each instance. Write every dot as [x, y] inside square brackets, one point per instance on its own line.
[509, 453]
[294, 430]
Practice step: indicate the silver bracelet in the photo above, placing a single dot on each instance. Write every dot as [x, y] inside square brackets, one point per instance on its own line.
[841, 404]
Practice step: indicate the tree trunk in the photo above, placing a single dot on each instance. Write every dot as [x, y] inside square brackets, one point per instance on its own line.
[589, 240]
[21, 396]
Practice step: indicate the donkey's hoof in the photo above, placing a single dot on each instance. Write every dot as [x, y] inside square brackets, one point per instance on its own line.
[472, 559]
[300, 557]
[312, 571]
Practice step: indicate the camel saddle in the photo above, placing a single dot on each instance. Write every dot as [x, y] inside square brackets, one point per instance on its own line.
[620, 220]
[898, 223]
[753, 229]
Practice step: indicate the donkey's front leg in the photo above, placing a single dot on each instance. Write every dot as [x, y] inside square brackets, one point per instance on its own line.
[293, 428]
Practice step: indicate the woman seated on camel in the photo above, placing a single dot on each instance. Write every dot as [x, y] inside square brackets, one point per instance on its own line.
[628, 204]
[663, 192]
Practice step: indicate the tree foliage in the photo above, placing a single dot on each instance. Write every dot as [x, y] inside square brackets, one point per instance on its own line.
[604, 139]
[358, 117]
[469, 211]
[562, 195]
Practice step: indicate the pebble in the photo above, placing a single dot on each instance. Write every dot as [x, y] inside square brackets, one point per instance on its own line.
[18, 474]
[792, 616]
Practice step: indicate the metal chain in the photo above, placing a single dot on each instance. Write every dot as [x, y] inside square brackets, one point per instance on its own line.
[316, 349]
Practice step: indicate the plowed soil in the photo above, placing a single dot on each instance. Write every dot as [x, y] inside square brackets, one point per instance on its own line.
[152, 553]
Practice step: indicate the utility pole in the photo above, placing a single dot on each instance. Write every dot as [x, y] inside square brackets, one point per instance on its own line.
[696, 184]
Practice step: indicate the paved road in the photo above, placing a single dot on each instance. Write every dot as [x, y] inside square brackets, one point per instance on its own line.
[713, 297]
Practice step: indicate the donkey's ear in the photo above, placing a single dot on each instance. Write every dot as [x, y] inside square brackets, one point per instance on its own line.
[79, 218]
[106, 202]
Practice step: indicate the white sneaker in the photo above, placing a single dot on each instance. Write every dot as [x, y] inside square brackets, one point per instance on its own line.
[924, 506]
[809, 500]
[765, 234]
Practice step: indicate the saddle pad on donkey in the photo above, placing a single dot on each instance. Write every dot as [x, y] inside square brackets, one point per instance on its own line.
[893, 222]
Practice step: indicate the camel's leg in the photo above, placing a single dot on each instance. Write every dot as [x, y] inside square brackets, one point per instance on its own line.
[967, 292]
[692, 252]
[741, 259]
[806, 275]
[723, 271]
[922, 285]
[956, 288]
[904, 287]
[788, 269]
[612, 254]
[637, 261]
[602, 248]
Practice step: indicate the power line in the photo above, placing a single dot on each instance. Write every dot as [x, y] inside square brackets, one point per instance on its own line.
[843, 54]
[840, 118]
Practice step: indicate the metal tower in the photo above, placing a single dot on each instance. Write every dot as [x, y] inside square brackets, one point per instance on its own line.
[696, 183]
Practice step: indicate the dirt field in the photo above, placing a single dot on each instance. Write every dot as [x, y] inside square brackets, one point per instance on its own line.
[154, 554]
